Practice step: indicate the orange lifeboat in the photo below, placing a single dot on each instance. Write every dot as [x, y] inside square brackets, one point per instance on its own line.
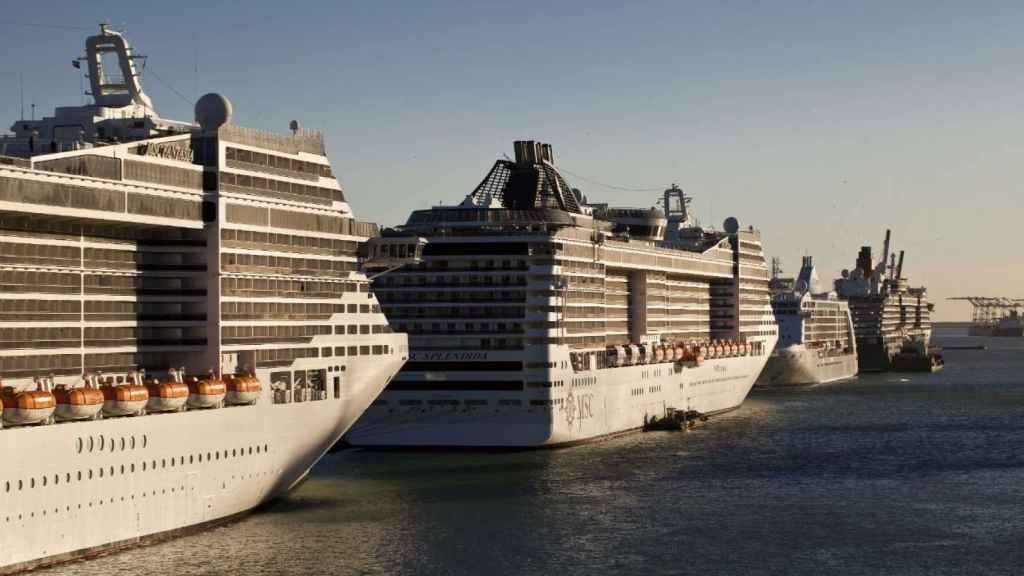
[242, 390]
[746, 349]
[659, 353]
[711, 351]
[167, 396]
[78, 403]
[206, 393]
[23, 407]
[124, 397]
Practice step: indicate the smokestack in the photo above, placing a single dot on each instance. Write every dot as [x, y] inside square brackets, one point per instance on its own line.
[899, 267]
[520, 148]
[885, 252]
[547, 153]
[864, 262]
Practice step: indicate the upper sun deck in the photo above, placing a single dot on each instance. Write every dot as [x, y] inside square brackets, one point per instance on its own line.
[530, 197]
[121, 112]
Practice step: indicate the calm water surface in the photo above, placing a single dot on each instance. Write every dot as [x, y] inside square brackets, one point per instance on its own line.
[887, 474]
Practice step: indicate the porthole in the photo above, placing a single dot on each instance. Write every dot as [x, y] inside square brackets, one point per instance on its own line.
[189, 458]
[101, 443]
[44, 481]
[131, 468]
[111, 470]
[79, 475]
[90, 473]
[101, 472]
[233, 453]
[145, 440]
[143, 465]
[131, 442]
[32, 483]
[78, 445]
[91, 441]
[20, 485]
[122, 443]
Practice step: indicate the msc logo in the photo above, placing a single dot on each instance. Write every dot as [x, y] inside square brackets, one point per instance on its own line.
[576, 409]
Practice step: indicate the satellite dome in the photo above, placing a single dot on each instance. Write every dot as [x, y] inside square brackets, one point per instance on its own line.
[213, 111]
[846, 273]
[731, 225]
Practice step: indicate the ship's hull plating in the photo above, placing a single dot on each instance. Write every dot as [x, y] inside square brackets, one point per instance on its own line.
[604, 403]
[80, 488]
[797, 366]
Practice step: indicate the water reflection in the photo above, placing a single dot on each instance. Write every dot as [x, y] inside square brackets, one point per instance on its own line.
[918, 474]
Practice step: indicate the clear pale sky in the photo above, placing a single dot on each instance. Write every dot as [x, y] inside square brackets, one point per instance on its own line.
[821, 123]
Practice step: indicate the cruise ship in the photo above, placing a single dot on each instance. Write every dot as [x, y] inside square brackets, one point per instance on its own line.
[891, 319]
[537, 319]
[816, 337]
[184, 327]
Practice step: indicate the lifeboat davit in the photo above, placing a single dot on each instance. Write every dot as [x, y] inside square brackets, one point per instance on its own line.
[242, 390]
[23, 407]
[124, 397]
[78, 403]
[167, 396]
[206, 393]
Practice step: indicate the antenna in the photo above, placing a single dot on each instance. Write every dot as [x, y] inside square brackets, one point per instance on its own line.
[21, 85]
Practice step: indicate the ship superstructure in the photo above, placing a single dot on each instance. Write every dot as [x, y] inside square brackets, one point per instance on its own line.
[890, 317]
[816, 336]
[995, 316]
[184, 329]
[539, 319]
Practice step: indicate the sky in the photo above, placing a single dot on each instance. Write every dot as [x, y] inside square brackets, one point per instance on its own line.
[819, 123]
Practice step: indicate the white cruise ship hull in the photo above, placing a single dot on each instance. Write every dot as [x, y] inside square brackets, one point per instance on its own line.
[797, 366]
[589, 406]
[113, 483]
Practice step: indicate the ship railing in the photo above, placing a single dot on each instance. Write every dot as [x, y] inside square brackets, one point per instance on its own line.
[302, 140]
[16, 162]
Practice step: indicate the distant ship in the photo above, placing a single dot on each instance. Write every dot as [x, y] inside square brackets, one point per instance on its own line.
[994, 316]
[539, 319]
[892, 321]
[816, 337]
[184, 329]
